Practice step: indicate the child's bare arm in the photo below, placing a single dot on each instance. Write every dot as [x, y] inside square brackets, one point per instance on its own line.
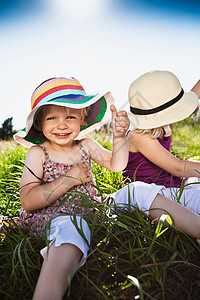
[121, 123]
[158, 155]
[35, 195]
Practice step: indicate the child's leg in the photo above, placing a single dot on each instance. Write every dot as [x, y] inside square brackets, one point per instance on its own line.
[53, 279]
[184, 219]
[67, 248]
[147, 198]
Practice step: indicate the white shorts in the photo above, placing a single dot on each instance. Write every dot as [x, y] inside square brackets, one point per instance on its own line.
[63, 230]
[141, 195]
[137, 194]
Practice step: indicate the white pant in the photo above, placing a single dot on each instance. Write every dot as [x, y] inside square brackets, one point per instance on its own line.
[137, 194]
[141, 195]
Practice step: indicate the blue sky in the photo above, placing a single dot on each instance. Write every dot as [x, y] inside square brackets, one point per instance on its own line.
[165, 7]
[105, 44]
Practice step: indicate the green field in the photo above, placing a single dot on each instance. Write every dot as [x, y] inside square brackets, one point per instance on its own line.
[130, 257]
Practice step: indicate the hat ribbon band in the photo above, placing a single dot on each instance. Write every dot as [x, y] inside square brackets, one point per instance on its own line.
[138, 111]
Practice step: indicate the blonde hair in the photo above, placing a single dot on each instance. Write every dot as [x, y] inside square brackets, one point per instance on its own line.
[154, 133]
[41, 113]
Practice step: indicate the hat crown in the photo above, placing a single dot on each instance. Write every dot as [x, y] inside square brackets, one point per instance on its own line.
[153, 89]
[54, 89]
[157, 99]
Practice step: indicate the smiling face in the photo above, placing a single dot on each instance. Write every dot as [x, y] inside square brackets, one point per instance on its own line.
[61, 125]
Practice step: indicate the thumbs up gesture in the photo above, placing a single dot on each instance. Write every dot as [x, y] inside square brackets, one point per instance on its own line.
[120, 122]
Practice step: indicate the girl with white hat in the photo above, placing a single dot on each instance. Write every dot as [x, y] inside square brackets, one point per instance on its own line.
[57, 172]
[156, 101]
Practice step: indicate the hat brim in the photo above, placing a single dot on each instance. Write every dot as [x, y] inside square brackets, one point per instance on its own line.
[177, 112]
[98, 114]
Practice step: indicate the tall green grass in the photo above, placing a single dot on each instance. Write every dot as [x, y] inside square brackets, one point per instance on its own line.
[11, 164]
[130, 257]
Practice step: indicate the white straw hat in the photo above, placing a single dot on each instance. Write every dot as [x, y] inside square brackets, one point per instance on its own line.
[157, 99]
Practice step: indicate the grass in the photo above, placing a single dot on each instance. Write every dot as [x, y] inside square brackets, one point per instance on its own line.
[130, 257]
[186, 139]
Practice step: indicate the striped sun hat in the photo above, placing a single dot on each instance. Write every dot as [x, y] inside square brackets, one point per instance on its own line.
[66, 92]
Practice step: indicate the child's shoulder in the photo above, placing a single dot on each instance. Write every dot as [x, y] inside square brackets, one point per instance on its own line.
[87, 141]
[35, 150]
[138, 140]
[89, 144]
[133, 134]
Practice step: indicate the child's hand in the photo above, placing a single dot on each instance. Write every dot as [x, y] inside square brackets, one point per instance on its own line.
[120, 122]
[80, 174]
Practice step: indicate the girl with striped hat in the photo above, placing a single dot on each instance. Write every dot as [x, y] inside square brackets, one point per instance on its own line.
[57, 172]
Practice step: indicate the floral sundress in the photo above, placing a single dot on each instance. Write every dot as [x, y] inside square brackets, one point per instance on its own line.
[37, 220]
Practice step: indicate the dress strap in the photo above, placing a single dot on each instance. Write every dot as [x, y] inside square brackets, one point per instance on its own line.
[44, 149]
[81, 147]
